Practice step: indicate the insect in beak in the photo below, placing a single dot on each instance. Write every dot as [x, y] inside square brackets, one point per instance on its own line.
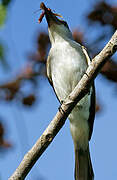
[44, 8]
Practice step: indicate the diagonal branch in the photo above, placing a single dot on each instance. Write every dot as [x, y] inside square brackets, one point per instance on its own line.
[58, 121]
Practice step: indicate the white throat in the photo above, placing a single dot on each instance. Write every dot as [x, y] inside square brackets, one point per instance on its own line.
[59, 33]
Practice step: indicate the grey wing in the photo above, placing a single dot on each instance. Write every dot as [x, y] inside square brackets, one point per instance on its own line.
[49, 74]
[91, 111]
[92, 105]
[48, 70]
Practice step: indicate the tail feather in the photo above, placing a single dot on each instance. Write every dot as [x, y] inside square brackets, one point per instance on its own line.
[83, 165]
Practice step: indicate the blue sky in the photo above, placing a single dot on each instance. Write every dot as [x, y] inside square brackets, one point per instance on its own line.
[58, 160]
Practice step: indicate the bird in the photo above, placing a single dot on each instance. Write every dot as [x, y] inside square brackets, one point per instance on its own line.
[67, 62]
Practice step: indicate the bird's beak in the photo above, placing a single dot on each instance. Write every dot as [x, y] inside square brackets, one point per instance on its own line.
[50, 16]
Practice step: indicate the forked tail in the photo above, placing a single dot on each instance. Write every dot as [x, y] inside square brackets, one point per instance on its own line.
[83, 165]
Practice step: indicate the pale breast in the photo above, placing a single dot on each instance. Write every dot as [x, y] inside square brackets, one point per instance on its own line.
[67, 66]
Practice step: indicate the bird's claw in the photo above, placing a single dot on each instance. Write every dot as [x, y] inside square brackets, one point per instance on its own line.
[60, 108]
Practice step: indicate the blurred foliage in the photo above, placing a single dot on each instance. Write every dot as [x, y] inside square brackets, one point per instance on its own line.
[3, 12]
[1, 52]
[33, 69]
[29, 100]
[105, 14]
[102, 15]
[6, 2]
[3, 143]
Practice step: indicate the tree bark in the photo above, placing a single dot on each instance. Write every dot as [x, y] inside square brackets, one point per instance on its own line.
[58, 121]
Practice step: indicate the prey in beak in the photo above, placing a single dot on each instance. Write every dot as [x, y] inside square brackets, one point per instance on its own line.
[50, 16]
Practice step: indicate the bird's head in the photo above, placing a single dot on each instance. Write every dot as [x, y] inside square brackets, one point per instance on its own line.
[58, 29]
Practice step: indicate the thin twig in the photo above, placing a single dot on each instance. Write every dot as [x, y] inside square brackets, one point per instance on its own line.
[56, 124]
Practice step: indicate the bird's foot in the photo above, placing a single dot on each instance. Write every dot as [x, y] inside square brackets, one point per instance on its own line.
[86, 74]
[60, 108]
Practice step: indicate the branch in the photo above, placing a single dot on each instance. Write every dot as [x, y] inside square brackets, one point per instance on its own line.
[58, 121]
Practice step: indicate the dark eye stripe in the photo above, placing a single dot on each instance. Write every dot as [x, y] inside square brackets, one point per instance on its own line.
[65, 24]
